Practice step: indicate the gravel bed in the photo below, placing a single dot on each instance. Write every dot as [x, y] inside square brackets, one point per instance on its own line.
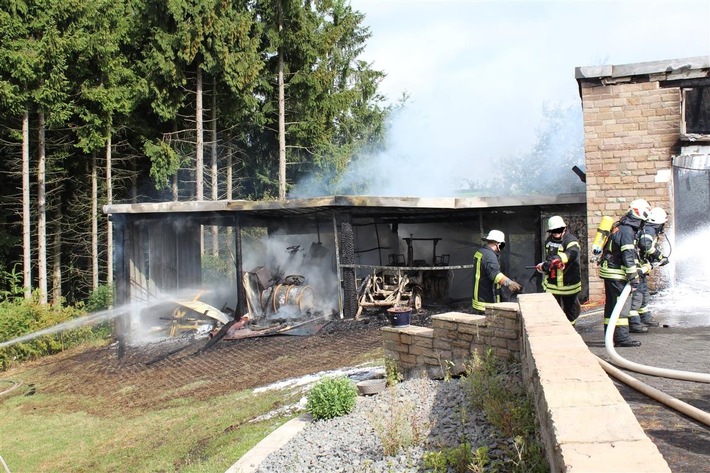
[351, 443]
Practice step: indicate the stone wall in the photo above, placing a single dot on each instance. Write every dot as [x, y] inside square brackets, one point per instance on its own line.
[454, 336]
[574, 397]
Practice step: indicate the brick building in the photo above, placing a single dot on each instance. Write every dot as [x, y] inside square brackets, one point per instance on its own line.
[646, 130]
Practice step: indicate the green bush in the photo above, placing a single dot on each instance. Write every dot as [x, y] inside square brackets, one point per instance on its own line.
[392, 373]
[331, 397]
[494, 386]
[29, 317]
[458, 459]
[100, 299]
[11, 285]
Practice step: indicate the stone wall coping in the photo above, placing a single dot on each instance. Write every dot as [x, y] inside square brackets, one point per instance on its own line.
[411, 330]
[585, 422]
[460, 317]
[506, 306]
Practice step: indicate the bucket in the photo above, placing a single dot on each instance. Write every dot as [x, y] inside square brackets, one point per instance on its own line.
[399, 317]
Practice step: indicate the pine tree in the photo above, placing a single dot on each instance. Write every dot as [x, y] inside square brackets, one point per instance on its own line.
[331, 108]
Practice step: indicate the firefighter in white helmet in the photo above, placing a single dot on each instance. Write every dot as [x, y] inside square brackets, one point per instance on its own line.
[619, 268]
[562, 275]
[487, 276]
[650, 255]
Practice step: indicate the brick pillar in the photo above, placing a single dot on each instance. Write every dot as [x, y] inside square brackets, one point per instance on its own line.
[630, 135]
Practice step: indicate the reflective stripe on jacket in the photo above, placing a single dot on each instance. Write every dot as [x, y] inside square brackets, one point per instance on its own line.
[620, 258]
[648, 240]
[486, 278]
[569, 281]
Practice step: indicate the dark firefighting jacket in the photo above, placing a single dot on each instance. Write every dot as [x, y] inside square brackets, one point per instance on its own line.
[568, 281]
[486, 277]
[648, 238]
[620, 253]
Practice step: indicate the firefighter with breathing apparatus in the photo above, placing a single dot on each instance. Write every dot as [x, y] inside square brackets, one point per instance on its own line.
[650, 256]
[562, 275]
[618, 267]
[487, 276]
[603, 231]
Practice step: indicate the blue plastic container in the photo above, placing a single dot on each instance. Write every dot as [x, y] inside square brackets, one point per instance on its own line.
[399, 316]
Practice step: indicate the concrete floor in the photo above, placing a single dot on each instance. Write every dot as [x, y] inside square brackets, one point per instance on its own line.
[682, 342]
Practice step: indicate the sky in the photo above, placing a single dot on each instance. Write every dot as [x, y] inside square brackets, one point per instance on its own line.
[478, 73]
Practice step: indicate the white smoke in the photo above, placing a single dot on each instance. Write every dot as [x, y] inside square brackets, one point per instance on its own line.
[298, 254]
[416, 162]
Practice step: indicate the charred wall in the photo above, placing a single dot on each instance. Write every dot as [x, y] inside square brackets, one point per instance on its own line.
[162, 252]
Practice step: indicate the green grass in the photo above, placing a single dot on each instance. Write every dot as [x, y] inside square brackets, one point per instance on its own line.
[38, 435]
[51, 432]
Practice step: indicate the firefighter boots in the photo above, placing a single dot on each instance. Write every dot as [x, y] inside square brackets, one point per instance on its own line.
[628, 343]
[621, 338]
[638, 328]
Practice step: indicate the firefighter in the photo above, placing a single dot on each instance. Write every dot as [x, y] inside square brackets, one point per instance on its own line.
[650, 256]
[562, 275]
[487, 277]
[618, 268]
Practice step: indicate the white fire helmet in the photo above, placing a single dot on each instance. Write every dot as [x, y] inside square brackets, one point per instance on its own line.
[657, 216]
[555, 222]
[640, 209]
[496, 236]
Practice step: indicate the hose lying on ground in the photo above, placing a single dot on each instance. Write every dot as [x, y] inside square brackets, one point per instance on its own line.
[670, 401]
[684, 408]
[652, 370]
[2, 460]
[15, 385]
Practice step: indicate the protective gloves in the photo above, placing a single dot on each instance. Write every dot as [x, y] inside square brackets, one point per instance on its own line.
[513, 286]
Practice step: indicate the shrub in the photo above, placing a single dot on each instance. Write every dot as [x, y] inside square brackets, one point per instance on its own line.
[11, 285]
[392, 373]
[331, 397]
[494, 386]
[458, 459]
[100, 299]
[47, 329]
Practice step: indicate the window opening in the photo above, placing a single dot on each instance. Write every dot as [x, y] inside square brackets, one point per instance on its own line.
[696, 113]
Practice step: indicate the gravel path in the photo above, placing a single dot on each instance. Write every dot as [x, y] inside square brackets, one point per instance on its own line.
[435, 412]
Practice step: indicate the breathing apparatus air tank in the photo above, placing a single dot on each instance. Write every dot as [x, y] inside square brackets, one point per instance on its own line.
[600, 237]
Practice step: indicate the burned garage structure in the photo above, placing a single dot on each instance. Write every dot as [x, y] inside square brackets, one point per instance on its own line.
[247, 268]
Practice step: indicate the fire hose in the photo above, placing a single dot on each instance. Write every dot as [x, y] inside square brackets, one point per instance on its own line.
[685, 408]
[2, 461]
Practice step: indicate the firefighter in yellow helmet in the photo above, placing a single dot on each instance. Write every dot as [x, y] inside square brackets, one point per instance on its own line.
[562, 275]
[487, 276]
